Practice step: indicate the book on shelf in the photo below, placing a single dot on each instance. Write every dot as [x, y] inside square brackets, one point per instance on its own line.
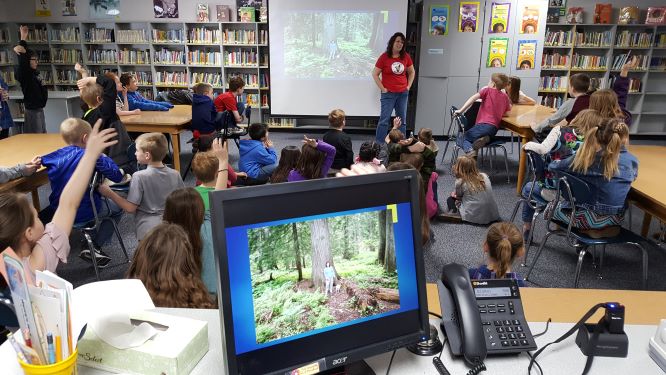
[634, 84]
[143, 78]
[621, 59]
[37, 35]
[555, 60]
[603, 13]
[67, 35]
[168, 36]
[554, 83]
[552, 101]
[251, 79]
[202, 13]
[661, 42]
[100, 56]
[588, 62]
[215, 79]
[247, 14]
[66, 76]
[66, 56]
[629, 39]
[553, 15]
[240, 58]
[8, 77]
[126, 56]
[263, 37]
[131, 36]
[248, 99]
[593, 39]
[204, 57]
[4, 35]
[148, 94]
[628, 15]
[263, 14]
[223, 13]
[99, 35]
[5, 57]
[203, 35]
[239, 37]
[276, 122]
[167, 56]
[575, 15]
[171, 78]
[658, 63]
[558, 38]
[656, 16]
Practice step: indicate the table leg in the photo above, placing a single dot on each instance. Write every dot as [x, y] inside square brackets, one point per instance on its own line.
[175, 140]
[35, 199]
[645, 228]
[522, 165]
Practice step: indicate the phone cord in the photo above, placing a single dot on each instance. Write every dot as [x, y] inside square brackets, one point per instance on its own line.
[477, 369]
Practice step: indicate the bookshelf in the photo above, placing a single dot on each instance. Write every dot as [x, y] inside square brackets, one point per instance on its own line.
[598, 50]
[163, 55]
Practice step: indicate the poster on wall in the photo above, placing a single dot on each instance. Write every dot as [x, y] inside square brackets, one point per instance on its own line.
[69, 7]
[165, 8]
[469, 15]
[439, 19]
[202, 13]
[42, 8]
[526, 53]
[499, 18]
[104, 8]
[497, 50]
[529, 19]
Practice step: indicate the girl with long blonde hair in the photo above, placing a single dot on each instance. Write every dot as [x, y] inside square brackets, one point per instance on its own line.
[472, 198]
[503, 244]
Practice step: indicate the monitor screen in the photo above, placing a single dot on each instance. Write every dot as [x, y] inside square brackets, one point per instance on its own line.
[319, 273]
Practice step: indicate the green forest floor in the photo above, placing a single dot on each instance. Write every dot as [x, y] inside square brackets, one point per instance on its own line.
[284, 306]
[354, 59]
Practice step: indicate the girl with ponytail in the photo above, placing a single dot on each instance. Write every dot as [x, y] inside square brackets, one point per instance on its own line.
[504, 243]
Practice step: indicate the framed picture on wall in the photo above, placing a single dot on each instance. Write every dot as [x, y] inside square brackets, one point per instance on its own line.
[499, 18]
[469, 16]
[104, 8]
[497, 50]
[529, 18]
[439, 19]
[526, 54]
[165, 8]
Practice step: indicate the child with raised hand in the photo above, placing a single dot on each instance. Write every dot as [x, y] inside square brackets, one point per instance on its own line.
[503, 245]
[20, 170]
[397, 144]
[288, 158]
[472, 198]
[315, 161]
[150, 187]
[495, 104]
[164, 262]
[212, 169]
[136, 100]
[613, 103]
[257, 155]
[43, 248]
[122, 106]
[35, 93]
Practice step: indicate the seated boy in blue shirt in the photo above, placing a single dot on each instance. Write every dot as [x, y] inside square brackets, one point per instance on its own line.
[257, 155]
[204, 117]
[136, 100]
[60, 166]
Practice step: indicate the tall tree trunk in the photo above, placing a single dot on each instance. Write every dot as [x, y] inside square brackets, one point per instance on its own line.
[314, 35]
[375, 38]
[347, 252]
[297, 251]
[382, 236]
[328, 31]
[321, 251]
[389, 256]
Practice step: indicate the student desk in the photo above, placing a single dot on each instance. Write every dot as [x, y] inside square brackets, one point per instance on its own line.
[562, 305]
[647, 192]
[518, 120]
[173, 122]
[22, 148]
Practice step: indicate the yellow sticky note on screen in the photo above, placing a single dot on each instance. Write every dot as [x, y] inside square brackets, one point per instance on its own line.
[394, 212]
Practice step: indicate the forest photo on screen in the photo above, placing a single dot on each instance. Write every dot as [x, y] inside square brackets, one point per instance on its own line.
[318, 273]
[333, 44]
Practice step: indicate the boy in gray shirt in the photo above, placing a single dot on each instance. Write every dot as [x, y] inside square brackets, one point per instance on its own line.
[150, 187]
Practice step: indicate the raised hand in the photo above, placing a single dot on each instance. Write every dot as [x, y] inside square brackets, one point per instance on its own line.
[19, 50]
[629, 65]
[84, 81]
[220, 150]
[309, 141]
[24, 32]
[397, 121]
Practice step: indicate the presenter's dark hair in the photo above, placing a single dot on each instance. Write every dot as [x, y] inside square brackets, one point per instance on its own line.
[389, 47]
[257, 130]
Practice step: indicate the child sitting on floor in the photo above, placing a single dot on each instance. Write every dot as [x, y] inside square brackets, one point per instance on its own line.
[136, 100]
[367, 158]
[212, 169]
[315, 161]
[426, 233]
[257, 155]
[503, 244]
[164, 262]
[288, 158]
[23, 235]
[397, 144]
[336, 137]
[472, 200]
[416, 160]
[150, 187]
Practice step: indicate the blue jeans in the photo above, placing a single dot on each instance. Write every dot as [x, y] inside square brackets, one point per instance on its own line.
[390, 101]
[528, 212]
[475, 132]
[266, 171]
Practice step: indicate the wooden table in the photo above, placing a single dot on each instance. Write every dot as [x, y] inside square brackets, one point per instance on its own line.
[22, 148]
[569, 305]
[518, 120]
[173, 122]
[647, 192]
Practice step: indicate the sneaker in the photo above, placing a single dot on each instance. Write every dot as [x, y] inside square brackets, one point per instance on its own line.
[472, 154]
[103, 260]
[479, 143]
[449, 217]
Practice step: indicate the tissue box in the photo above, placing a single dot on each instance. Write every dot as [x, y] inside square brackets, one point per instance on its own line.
[173, 351]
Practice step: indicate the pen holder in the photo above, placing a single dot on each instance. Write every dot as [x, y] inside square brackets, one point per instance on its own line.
[64, 367]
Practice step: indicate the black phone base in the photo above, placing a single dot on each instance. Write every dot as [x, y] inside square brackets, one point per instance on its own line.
[355, 368]
[607, 345]
[428, 347]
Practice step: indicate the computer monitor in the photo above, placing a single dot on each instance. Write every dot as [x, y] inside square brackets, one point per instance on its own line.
[319, 273]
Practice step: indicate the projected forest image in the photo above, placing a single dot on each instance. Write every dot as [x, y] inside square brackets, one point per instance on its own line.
[333, 44]
[318, 273]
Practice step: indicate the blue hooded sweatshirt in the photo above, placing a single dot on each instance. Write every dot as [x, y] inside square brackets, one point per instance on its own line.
[203, 114]
[254, 155]
[137, 101]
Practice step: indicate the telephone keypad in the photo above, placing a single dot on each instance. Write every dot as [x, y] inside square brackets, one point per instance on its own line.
[500, 330]
[509, 335]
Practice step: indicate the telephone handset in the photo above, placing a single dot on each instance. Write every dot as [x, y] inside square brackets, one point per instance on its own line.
[482, 317]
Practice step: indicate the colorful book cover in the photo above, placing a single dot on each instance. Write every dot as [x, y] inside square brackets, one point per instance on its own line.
[69, 7]
[223, 12]
[263, 14]
[42, 8]
[469, 15]
[530, 19]
[499, 18]
[497, 50]
[202, 13]
[526, 53]
[439, 19]
[247, 14]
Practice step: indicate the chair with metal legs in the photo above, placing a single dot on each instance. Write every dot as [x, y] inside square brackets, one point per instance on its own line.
[449, 136]
[572, 189]
[537, 206]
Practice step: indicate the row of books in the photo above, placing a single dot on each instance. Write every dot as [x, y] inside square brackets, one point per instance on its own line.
[6, 57]
[102, 56]
[99, 35]
[593, 39]
[239, 37]
[552, 101]
[68, 35]
[275, 122]
[131, 36]
[204, 58]
[553, 83]
[241, 57]
[142, 77]
[165, 56]
[203, 35]
[635, 84]
[251, 80]
[66, 76]
[558, 38]
[17, 109]
[8, 76]
[4, 35]
[588, 62]
[168, 36]
[621, 59]
[555, 60]
[214, 79]
[658, 63]
[66, 56]
[661, 41]
[252, 99]
[37, 35]
[148, 94]
[597, 83]
[171, 78]
[133, 57]
[628, 39]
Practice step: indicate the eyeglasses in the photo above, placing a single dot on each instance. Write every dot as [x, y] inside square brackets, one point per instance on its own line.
[34, 59]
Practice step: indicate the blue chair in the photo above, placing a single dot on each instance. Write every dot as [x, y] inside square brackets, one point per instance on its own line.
[572, 189]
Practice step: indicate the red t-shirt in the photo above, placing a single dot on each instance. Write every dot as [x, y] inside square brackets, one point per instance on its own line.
[493, 106]
[226, 101]
[394, 71]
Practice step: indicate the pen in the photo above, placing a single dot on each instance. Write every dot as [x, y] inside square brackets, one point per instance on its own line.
[49, 343]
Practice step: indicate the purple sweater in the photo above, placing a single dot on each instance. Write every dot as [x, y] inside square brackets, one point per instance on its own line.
[324, 147]
[621, 88]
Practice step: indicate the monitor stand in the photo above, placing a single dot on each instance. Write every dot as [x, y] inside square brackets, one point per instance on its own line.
[355, 368]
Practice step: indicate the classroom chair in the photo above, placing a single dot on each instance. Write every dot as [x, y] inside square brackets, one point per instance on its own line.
[92, 226]
[534, 168]
[570, 189]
